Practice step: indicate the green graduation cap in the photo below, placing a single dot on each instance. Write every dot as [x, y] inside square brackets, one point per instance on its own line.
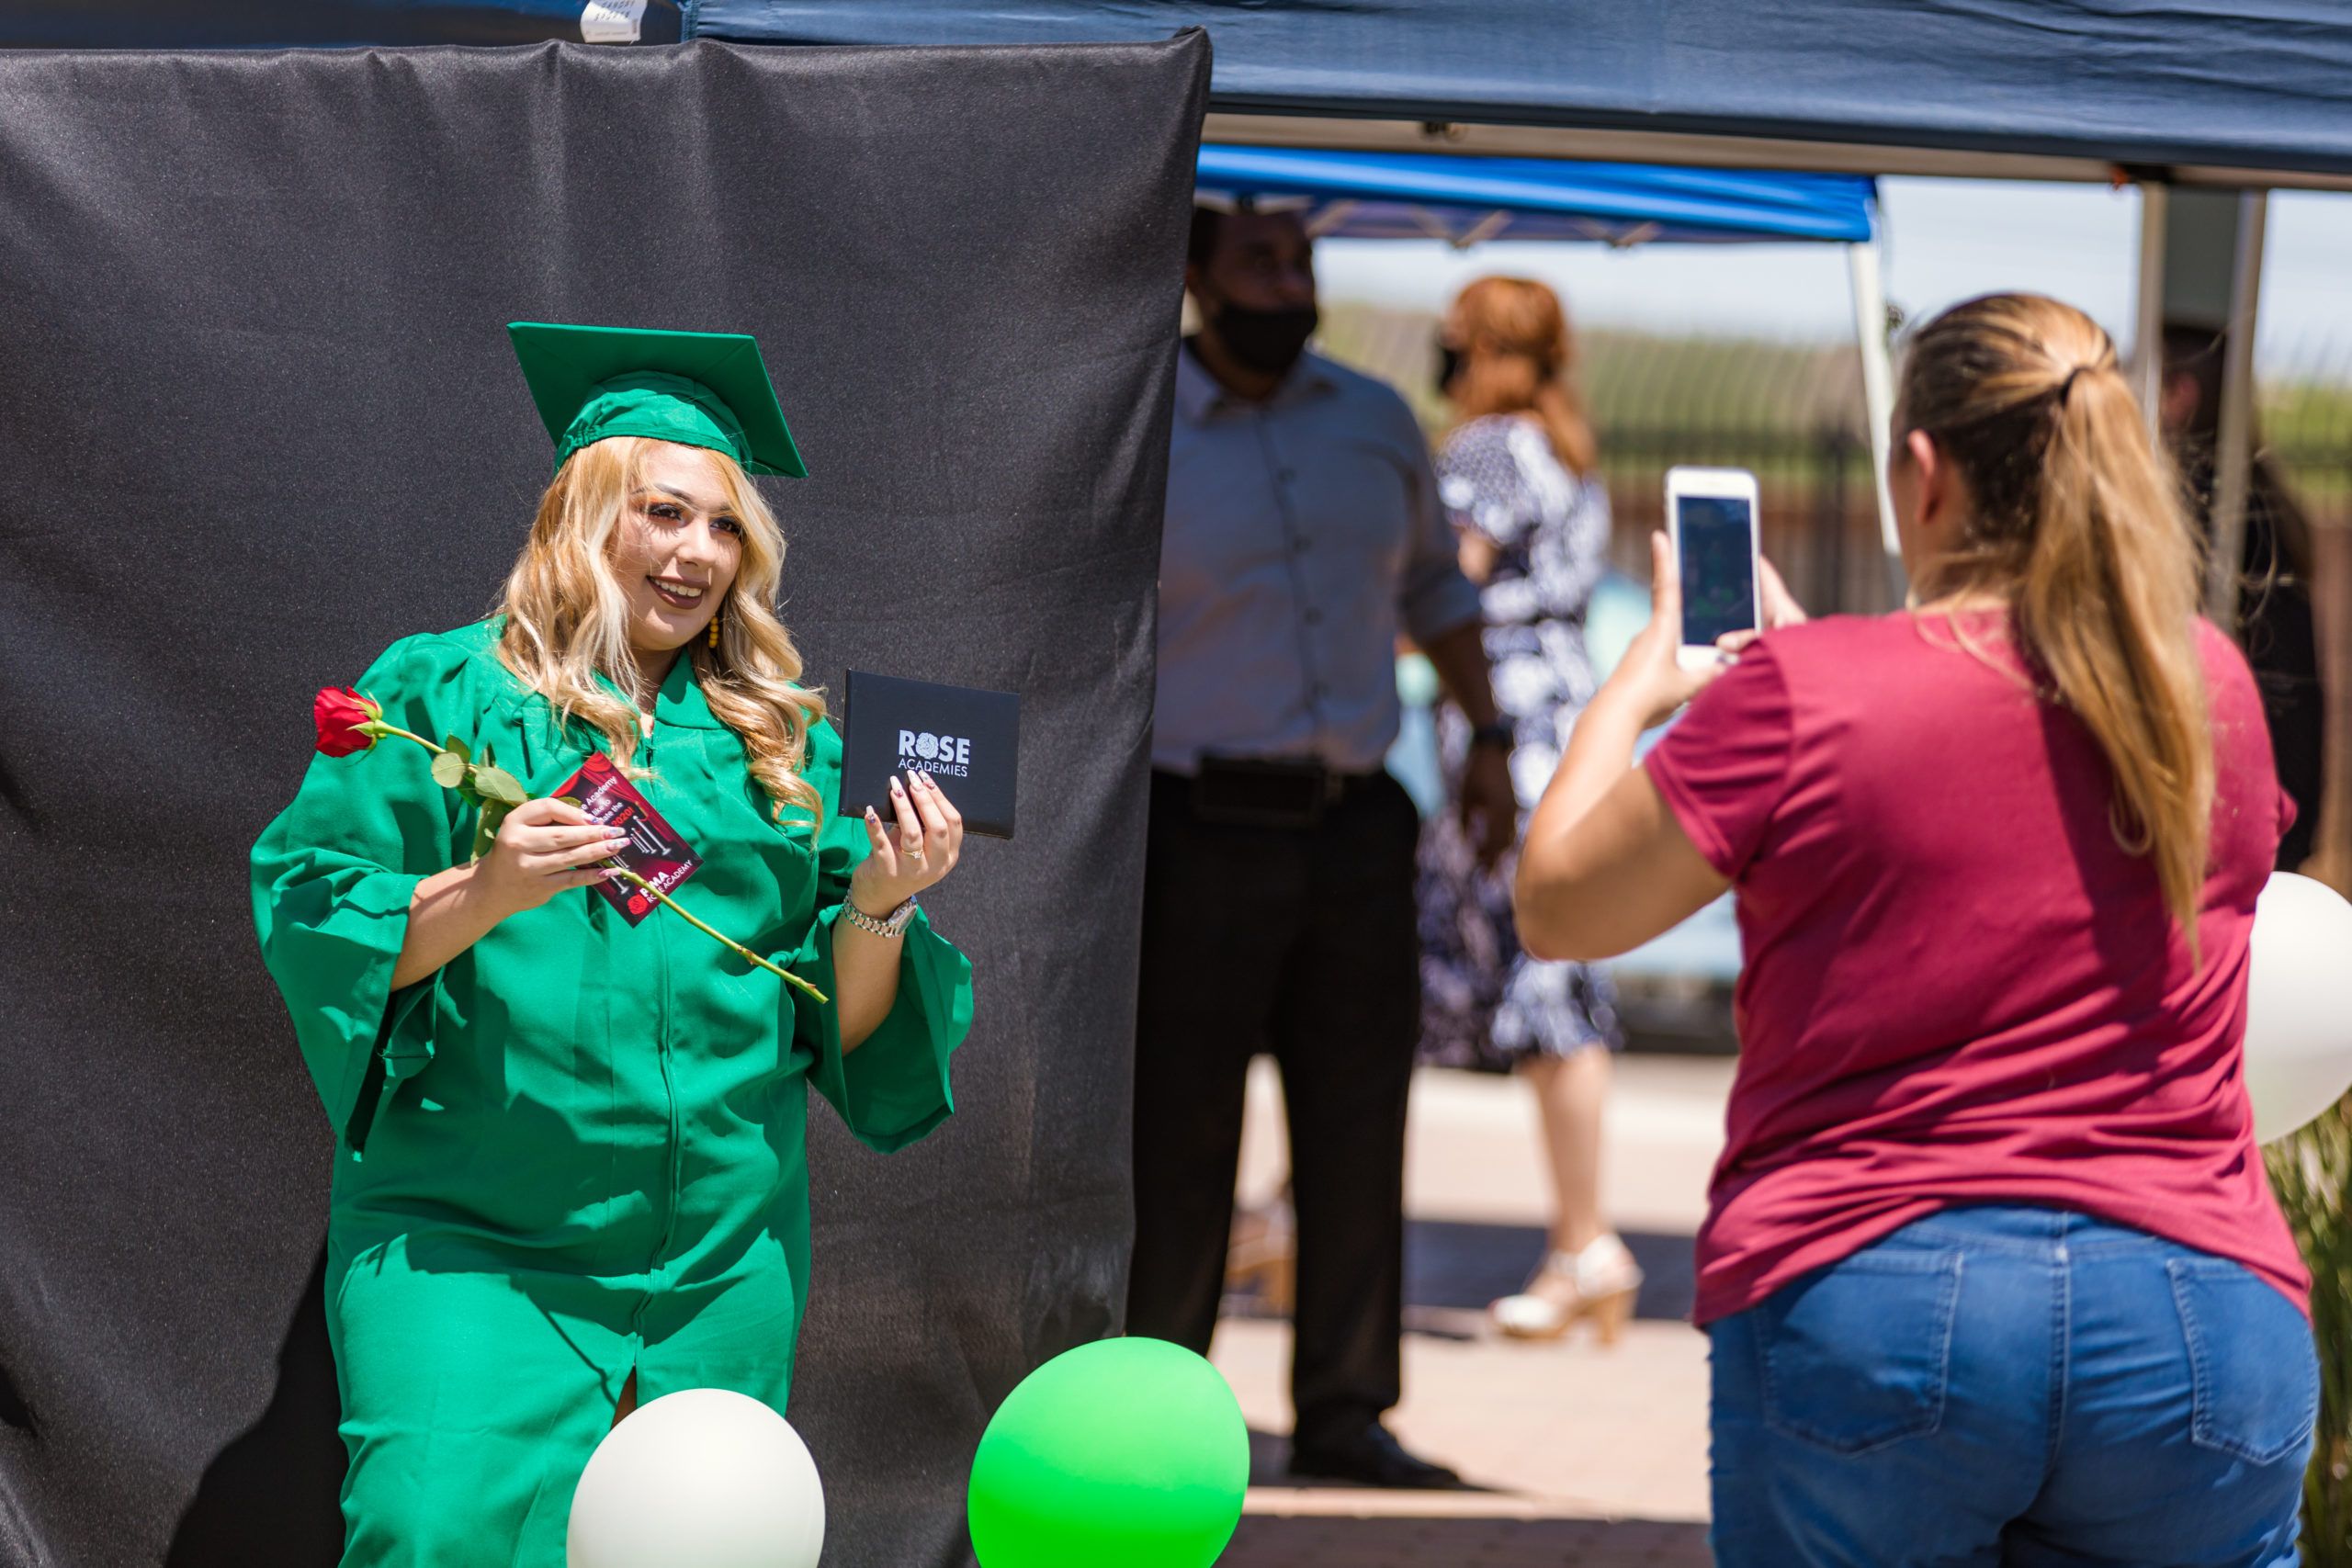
[696, 388]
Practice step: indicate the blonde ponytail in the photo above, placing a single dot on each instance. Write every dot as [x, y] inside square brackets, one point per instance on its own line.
[2077, 523]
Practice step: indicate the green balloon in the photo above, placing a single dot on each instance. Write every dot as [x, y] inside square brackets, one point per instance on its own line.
[1130, 1452]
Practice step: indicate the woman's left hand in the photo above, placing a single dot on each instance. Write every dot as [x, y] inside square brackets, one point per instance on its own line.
[1651, 678]
[913, 852]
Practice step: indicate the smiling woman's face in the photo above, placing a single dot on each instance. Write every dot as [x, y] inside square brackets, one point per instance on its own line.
[677, 548]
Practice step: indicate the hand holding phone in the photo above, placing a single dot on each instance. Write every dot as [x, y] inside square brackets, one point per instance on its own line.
[1711, 523]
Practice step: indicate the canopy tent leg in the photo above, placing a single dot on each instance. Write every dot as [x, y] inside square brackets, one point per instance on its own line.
[2234, 462]
[2148, 328]
[1878, 395]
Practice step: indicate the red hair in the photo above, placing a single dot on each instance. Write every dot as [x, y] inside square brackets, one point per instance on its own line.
[1517, 356]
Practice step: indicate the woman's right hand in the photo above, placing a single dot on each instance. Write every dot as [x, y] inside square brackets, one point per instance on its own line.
[545, 847]
[1650, 677]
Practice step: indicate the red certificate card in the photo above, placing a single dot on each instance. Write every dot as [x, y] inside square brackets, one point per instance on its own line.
[655, 851]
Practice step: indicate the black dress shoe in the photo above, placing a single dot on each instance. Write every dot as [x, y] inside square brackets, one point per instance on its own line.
[1370, 1457]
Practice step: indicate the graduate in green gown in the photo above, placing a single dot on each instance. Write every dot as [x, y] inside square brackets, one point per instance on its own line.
[570, 1161]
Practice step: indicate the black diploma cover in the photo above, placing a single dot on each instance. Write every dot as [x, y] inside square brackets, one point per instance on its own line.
[969, 741]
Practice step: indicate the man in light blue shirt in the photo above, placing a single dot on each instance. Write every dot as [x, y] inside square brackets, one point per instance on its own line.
[1304, 535]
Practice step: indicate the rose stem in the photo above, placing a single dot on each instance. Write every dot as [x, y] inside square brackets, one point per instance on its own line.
[745, 952]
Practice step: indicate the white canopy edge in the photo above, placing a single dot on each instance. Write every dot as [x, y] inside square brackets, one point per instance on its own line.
[2148, 306]
[2233, 456]
[1863, 265]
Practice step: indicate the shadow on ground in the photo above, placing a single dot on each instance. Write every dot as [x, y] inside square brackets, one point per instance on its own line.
[1270, 1540]
[1270, 1466]
[269, 1497]
[1457, 1266]
[1454, 1268]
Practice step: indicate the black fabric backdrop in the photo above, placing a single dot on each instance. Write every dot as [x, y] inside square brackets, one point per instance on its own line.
[258, 419]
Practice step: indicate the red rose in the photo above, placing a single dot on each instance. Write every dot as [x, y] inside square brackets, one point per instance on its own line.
[340, 713]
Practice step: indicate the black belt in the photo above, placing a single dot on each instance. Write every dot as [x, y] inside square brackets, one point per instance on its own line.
[1256, 792]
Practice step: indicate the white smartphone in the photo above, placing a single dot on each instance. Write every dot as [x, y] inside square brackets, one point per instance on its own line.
[1711, 520]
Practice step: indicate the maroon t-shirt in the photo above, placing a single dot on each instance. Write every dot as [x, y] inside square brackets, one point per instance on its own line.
[1957, 986]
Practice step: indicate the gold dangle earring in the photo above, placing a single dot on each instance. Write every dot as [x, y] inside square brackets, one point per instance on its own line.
[714, 624]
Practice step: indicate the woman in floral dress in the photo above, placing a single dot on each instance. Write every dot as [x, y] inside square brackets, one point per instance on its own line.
[1519, 475]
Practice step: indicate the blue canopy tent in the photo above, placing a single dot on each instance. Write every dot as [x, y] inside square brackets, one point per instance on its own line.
[1466, 201]
[2249, 92]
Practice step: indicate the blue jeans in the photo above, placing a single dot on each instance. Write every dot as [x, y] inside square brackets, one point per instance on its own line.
[2011, 1385]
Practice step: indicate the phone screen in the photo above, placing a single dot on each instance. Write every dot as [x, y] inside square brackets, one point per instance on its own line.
[1718, 566]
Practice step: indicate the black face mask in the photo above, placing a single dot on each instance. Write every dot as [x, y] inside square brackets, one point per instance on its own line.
[1449, 365]
[1268, 342]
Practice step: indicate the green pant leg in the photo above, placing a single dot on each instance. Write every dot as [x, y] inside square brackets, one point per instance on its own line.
[735, 1332]
[471, 1400]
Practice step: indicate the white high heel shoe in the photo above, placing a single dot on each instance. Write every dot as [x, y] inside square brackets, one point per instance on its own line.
[1603, 1282]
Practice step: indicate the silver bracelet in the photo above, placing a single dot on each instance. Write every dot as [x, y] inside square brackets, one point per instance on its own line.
[889, 925]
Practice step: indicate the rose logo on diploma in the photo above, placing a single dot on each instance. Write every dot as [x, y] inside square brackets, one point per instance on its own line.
[970, 740]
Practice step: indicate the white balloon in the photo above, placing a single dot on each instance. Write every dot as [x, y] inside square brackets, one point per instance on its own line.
[704, 1478]
[2298, 1005]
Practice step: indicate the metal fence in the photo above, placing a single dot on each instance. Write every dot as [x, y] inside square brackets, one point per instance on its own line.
[2306, 423]
[1819, 502]
[1793, 413]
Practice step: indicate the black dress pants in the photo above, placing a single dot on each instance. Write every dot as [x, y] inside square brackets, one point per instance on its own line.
[1301, 943]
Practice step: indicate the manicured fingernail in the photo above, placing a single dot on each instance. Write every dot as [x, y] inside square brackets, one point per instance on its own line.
[895, 787]
[872, 815]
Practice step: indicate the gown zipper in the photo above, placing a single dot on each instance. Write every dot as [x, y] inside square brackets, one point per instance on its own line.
[662, 1052]
[674, 1148]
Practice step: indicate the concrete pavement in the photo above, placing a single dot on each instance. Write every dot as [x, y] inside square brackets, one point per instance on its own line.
[1575, 1454]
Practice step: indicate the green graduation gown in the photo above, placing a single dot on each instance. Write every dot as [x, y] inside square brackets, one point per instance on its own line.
[579, 1148]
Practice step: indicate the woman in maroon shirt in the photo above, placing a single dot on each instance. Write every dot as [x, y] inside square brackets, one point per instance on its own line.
[1991, 1270]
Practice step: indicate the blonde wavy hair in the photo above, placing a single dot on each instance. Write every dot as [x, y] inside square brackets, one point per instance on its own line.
[1518, 356]
[567, 622]
[2077, 523]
